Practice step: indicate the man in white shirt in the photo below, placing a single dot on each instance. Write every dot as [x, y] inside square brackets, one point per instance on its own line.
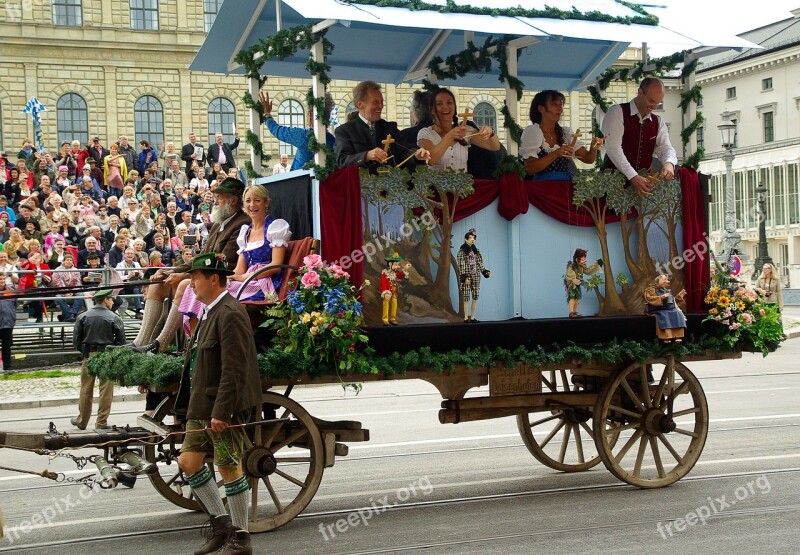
[634, 135]
[282, 166]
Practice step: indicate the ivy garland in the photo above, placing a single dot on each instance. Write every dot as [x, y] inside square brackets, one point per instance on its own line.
[280, 46]
[548, 12]
[659, 67]
[131, 368]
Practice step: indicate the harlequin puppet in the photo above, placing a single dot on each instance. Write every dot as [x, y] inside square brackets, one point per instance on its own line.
[573, 280]
[389, 278]
[670, 321]
[470, 269]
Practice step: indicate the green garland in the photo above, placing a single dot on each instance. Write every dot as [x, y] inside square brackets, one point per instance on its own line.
[548, 12]
[509, 164]
[280, 46]
[131, 368]
[514, 129]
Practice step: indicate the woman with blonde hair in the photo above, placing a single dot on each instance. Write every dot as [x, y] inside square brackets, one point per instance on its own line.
[115, 171]
[770, 282]
[15, 243]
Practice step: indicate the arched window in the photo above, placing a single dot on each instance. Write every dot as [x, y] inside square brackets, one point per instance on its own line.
[72, 119]
[221, 119]
[290, 114]
[148, 121]
[485, 114]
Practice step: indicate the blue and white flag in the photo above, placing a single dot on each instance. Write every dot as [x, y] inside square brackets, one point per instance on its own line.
[35, 108]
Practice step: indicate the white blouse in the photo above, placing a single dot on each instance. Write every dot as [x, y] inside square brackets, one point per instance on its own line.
[454, 157]
[533, 141]
[278, 235]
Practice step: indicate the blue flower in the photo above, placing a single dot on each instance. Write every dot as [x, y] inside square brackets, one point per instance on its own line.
[357, 309]
[293, 298]
[333, 300]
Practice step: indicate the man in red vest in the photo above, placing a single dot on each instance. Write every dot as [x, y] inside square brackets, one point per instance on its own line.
[634, 135]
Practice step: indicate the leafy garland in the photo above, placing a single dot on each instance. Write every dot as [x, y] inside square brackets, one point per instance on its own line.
[131, 368]
[660, 67]
[280, 46]
[548, 12]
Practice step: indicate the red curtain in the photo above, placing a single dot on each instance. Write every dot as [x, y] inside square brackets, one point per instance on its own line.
[696, 274]
[341, 221]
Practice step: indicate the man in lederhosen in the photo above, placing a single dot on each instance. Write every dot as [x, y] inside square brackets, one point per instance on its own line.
[223, 386]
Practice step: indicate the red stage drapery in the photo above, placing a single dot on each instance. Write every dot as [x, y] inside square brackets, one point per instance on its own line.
[343, 236]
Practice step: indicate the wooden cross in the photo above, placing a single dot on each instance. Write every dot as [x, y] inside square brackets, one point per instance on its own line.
[465, 116]
[387, 142]
[575, 138]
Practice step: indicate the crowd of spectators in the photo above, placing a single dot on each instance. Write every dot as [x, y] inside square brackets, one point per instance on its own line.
[104, 207]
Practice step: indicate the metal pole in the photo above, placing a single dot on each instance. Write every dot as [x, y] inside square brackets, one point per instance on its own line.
[763, 249]
[731, 238]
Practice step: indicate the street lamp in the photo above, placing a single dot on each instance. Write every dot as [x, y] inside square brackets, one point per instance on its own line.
[763, 253]
[730, 239]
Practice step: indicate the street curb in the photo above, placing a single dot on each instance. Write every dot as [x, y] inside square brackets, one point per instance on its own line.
[62, 401]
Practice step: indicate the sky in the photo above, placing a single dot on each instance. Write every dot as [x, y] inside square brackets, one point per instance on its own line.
[709, 19]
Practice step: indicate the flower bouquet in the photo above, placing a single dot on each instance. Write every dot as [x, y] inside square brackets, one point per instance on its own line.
[320, 320]
[747, 322]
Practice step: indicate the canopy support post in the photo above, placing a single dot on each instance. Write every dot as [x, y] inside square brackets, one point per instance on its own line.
[691, 113]
[511, 98]
[318, 90]
[255, 122]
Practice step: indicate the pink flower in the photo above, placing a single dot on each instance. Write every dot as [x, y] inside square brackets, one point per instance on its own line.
[313, 261]
[337, 272]
[310, 279]
[762, 312]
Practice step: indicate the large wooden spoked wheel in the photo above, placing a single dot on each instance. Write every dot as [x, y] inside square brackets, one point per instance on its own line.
[283, 463]
[561, 438]
[170, 481]
[662, 426]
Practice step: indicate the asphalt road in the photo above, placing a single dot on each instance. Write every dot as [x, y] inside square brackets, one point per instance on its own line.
[466, 488]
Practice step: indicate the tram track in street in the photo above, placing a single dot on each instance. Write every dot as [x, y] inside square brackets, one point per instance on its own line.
[355, 459]
[453, 501]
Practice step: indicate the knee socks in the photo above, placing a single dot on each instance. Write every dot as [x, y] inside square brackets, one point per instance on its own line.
[236, 492]
[205, 488]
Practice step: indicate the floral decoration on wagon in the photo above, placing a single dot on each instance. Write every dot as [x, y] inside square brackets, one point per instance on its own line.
[320, 319]
[746, 321]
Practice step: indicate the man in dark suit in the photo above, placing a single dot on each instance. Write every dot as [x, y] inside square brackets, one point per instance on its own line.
[363, 141]
[223, 386]
[193, 152]
[223, 152]
[228, 219]
[98, 152]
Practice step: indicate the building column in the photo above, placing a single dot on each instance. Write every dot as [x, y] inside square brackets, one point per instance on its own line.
[186, 116]
[111, 105]
[32, 89]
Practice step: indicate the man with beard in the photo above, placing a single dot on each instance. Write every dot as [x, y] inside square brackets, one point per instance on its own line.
[228, 218]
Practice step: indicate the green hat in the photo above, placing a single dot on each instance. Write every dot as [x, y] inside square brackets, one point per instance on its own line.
[230, 185]
[211, 261]
[393, 256]
[102, 295]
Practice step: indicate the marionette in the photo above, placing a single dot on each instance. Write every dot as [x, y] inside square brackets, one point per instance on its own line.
[389, 278]
[470, 269]
[573, 280]
[670, 320]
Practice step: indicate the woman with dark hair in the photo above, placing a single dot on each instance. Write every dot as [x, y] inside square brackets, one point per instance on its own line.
[546, 147]
[446, 140]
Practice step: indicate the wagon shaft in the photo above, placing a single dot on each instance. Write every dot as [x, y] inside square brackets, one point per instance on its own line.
[55, 440]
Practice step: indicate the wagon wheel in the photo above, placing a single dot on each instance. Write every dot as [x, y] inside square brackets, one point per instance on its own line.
[170, 481]
[284, 465]
[662, 427]
[561, 438]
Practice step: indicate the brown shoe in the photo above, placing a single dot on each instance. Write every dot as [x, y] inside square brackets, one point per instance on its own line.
[238, 544]
[221, 528]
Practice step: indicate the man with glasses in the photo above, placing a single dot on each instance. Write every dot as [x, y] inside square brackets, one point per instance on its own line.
[634, 135]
